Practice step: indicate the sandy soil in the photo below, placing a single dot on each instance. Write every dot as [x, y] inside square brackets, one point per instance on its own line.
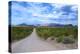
[34, 44]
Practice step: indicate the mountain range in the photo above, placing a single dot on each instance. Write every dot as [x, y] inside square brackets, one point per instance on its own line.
[48, 25]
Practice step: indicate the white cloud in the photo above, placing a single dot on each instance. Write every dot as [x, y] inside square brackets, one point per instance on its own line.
[37, 16]
[74, 8]
[58, 5]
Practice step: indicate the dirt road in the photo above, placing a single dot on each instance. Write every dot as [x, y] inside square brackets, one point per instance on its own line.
[34, 44]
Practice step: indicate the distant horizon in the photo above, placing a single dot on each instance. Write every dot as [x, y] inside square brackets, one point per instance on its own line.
[42, 24]
[33, 13]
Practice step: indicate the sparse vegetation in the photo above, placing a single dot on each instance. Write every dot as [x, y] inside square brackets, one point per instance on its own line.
[67, 40]
[18, 33]
[64, 35]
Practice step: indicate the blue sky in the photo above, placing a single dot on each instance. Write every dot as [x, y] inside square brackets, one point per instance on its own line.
[42, 13]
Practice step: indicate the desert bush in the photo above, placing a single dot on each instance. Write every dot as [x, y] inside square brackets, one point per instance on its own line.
[52, 38]
[68, 40]
[58, 33]
[59, 39]
[75, 33]
[18, 33]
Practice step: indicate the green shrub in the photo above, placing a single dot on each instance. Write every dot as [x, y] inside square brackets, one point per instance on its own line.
[68, 40]
[58, 33]
[52, 38]
[75, 33]
[59, 39]
[18, 33]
